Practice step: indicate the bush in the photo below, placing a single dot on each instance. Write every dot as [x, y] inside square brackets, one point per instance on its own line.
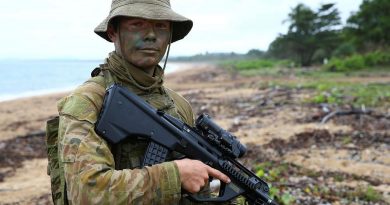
[377, 58]
[345, 49]
[254, 64]
[358, 61]
[352, 63]
[355, 62]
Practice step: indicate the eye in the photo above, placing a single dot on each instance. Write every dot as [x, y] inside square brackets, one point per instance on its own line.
[162, 25]
[137, 24]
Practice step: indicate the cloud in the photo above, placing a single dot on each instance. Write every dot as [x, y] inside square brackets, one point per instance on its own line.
[64, 29]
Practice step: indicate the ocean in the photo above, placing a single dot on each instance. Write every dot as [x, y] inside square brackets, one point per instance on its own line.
[26, 78]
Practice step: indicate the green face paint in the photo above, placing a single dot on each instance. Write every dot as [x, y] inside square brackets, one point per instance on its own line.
[143, 42]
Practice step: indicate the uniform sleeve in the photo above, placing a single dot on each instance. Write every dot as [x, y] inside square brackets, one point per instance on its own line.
[89, 165]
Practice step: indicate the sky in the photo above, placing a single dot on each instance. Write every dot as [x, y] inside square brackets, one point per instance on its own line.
[57, 29]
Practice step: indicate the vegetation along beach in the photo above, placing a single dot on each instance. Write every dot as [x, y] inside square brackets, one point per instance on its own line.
[313, 111]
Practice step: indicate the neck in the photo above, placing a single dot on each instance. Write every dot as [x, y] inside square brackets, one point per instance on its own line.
[149, 71]
[130, 74]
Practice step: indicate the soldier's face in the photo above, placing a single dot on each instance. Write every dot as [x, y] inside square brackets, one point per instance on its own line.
[142, 42]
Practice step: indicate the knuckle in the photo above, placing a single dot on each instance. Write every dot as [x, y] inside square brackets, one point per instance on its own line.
[205, 175]
[202, 183]
[196, 189]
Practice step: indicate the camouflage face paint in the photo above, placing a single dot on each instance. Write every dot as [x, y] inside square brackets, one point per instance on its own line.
[143, 42]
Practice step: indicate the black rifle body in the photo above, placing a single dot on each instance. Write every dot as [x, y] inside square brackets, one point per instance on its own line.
[124, 114]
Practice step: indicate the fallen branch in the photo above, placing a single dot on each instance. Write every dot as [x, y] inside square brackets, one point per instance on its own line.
[345, 112]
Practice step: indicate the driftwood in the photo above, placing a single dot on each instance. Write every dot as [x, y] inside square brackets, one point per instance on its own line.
[345, 112]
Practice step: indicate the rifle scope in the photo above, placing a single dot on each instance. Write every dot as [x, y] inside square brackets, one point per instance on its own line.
[220, 137]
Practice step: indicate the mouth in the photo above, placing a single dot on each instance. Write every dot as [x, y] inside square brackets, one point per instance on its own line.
[149, 50]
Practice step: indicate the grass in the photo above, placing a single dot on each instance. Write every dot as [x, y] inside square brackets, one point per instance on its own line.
[329, 87]
[366, 194]
[277, 173]
[356, 94]
[253, 67]
[274, 173]
[359, 61]
[333, 91]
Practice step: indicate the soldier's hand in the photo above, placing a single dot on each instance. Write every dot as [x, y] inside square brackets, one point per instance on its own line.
[194, 174]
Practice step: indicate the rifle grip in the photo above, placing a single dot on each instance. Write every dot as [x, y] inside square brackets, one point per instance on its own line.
[155, 154]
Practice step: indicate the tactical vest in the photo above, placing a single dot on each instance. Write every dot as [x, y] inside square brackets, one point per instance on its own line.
[128, 154]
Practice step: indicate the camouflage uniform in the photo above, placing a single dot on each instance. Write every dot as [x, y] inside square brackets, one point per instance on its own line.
[97, 173]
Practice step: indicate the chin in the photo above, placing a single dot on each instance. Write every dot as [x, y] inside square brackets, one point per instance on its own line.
[147, 65]
[149, 62]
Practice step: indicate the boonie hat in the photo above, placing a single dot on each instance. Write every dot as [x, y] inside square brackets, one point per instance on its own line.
[147, 9]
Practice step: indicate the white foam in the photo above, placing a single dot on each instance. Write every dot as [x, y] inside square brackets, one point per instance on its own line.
[170, 68]
[8, 97]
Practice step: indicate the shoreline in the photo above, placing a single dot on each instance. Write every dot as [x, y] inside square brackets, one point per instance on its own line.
[32, 94]
[172, 68]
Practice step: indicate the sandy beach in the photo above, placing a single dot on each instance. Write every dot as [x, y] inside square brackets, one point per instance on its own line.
[273, 123]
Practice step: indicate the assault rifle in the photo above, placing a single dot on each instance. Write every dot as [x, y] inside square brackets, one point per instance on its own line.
[124, 114]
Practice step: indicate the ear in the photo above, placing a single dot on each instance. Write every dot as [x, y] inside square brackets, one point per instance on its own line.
[111, 32]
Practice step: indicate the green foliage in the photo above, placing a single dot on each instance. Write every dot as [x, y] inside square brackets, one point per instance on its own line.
[326, 93]
[255, 53]
[251, 67]
[273, 192]
[356, 94]
[345, 49]
[270, 172]
[347, 140]
[372, 195]
[359, 61]
[377, 58]
[311, 35]
[366, 194]
[287, 199]
[254, 64]
[371, 24]
[302, 20]
[274, 173]
[355, 62]
[314, 36]
[277, 173]
[338, 178]
[328, 88]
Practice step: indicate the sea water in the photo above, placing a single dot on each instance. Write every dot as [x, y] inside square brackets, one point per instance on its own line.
[25, 78]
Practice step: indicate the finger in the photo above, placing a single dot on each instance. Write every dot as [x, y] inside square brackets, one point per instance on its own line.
[206, 181]
[217, 174]
[196, 189]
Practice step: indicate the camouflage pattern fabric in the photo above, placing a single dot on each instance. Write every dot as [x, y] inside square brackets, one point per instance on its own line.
[89, 165]
[57, 179]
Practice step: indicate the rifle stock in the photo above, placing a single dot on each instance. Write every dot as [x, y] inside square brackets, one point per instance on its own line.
[124, 114]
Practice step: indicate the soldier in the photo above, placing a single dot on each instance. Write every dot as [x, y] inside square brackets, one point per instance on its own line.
[96, 172]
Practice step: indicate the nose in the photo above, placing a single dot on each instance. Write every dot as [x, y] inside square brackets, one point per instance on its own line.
[151, 34]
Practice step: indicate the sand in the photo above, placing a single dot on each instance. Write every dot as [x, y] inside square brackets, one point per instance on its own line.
[262, 117]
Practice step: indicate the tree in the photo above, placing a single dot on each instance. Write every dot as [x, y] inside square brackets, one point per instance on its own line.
[300, 33]
[280, 48]
[309, 32]
[255, 53]
[370, 26]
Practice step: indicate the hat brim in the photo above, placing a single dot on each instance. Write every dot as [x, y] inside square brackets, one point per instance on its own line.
[181, 25]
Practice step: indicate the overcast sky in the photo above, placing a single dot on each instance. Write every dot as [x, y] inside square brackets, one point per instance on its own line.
[42, 29]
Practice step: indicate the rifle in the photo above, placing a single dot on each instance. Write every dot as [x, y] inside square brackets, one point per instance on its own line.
[124, 114]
